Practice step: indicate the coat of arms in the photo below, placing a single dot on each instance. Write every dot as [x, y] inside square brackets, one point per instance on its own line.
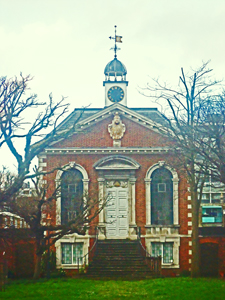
[116, 128]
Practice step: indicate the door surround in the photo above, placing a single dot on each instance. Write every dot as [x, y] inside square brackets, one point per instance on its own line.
[117, 170]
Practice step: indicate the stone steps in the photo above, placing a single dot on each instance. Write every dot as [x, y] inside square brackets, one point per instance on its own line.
[119, 259]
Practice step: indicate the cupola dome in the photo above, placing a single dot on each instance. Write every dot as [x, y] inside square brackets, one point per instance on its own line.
[115, 68]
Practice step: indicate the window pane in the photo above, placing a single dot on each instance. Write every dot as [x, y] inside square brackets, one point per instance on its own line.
[213, 190]
[207, 179]
[72, 189]
[161, 187]
[167, 253]
[162, 197]
[66, 253]
[72, 195]
[216, 198]
[205, 198]
[156, 249]
[77, 253]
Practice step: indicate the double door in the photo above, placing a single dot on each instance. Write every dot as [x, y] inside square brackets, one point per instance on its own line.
[117, 213]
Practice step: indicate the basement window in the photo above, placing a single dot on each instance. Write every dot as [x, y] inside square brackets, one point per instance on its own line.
[165, 250]
[71, 253]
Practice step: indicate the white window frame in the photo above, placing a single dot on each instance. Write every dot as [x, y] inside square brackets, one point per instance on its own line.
[162, 251]
[72, 248]
[71, 165]
[71, 239]
[176, 245]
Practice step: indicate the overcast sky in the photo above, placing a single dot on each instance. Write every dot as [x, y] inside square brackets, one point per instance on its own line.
[65, 44]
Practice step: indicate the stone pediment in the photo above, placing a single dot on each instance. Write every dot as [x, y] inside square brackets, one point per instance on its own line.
[116, 162]
[129, 113]
[149, 118]
[86, 118]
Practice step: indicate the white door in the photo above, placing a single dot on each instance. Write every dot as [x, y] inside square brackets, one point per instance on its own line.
[117, 213]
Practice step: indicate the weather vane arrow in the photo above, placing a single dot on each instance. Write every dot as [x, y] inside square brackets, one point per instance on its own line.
[118, 39]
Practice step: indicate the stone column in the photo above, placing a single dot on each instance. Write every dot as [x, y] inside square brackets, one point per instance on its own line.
[132, 225]
[101, 223]
[148, 200]
[58, 203]
[175, 201]
[85, 189]
[85, 186]
[133, 201]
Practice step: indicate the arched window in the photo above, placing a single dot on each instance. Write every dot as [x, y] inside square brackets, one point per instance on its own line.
[71, 194]
[162, 197]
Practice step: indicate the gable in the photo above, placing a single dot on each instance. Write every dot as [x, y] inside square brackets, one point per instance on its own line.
[95, 134]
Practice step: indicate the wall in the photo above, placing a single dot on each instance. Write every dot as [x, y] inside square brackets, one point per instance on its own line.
[136, 136]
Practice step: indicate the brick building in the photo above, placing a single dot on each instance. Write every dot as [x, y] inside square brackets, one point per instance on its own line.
[120, 153]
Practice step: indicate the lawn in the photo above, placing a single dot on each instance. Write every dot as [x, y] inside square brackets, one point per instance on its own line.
[163, 288]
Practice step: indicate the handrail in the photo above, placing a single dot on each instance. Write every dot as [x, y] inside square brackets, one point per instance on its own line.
[85, 256]
[153, 262]
[140, 243]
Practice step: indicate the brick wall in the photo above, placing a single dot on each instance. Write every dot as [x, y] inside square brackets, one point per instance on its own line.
[135, 136]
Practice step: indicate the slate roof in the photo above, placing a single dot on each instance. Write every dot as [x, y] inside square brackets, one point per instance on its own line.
[81, 114]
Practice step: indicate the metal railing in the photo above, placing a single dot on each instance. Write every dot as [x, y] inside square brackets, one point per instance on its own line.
[82, 261]
[154, 263]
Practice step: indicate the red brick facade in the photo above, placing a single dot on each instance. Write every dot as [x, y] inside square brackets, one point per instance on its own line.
[146, 147]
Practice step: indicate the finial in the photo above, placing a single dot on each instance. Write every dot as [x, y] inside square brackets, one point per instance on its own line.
[118, 39]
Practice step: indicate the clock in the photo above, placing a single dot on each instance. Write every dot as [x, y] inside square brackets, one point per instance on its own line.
[115, 94]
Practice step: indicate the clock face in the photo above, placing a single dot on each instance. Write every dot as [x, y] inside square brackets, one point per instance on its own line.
[115, 94]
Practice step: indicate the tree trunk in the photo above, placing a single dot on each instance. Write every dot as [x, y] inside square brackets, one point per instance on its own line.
[39, 252]
[195, 262]
[37, 270]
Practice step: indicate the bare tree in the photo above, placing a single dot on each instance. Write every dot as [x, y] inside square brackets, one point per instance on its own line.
[211, 146]
[36, 212]
[185, 106]
[15, 106]
[36, 136]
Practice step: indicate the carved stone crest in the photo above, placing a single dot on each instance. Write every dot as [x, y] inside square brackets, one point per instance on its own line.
[116, 183]
[116, 129]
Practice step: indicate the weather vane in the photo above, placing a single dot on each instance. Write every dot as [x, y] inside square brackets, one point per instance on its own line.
[118, 39]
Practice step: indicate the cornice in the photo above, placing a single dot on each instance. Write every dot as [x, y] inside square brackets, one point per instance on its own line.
[110, 111]
[110, 150]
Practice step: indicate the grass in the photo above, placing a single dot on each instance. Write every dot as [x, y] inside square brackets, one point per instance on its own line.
[163, 288]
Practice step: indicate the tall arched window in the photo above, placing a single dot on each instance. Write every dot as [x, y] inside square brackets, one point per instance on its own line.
[162, 197]
[71, 194]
